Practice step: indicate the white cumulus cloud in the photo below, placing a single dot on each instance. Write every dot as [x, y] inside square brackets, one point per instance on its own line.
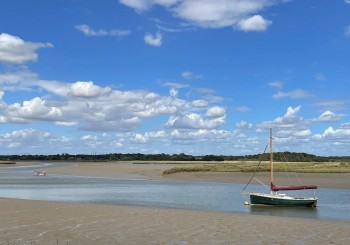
[153, 40]
[244, 125]
[194, 121]
[88, 137]
[199, 103]
[156, 134]
[173, 92]
[35, 109]
[288, 124]
[90, 107]
[87, 89]
[290, 116]
[25, 137]
[293, 129]
[215, 112]
[142, 5]
[140, 138]
[67, 124]
[213, 14]
[14, 50]
[254, 23]
[328, 116]
[339, 136]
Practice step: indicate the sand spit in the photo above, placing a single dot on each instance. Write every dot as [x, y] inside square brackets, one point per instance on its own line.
[154, 172]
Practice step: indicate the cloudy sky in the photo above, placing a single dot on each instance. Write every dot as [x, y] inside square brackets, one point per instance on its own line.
[174, 76]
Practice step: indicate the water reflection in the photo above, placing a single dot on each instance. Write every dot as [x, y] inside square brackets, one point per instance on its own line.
[300, 212]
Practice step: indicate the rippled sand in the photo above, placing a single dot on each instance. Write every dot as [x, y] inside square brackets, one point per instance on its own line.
[39, 222]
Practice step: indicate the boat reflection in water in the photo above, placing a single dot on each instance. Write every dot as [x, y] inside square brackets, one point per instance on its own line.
[285, 211]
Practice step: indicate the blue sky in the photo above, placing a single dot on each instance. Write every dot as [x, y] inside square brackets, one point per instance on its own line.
[174, 76]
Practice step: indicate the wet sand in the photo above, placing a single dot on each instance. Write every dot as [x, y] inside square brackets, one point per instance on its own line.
[40, 222]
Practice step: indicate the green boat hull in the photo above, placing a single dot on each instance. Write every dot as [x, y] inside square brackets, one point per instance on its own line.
[268, 200]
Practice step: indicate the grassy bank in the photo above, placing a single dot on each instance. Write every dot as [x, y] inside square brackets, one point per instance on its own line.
[247, 166]
[7, 162]
[197, 162]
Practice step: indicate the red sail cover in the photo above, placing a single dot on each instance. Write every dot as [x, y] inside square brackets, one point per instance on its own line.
[292, 187]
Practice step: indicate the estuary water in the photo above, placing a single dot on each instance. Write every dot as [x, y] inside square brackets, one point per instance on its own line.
[19, 182]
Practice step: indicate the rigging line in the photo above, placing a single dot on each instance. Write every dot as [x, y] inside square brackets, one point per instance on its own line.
[289, 171]
[301, 183]
[257, 167]
[262, 183]
[285, 163]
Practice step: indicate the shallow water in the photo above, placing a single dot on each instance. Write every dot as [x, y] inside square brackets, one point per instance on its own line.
[19, 182]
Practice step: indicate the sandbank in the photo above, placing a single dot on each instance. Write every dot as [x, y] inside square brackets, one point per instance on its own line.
[155, 172]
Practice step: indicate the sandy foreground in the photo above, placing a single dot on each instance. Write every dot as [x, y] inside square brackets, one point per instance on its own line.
[40, 222]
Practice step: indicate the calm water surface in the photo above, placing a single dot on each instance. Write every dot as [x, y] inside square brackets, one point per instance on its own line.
[19, 182]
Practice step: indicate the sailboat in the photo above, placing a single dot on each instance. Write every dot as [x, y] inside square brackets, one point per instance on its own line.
[280, 199]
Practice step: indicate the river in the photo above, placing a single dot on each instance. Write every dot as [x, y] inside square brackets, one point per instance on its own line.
[19, 182]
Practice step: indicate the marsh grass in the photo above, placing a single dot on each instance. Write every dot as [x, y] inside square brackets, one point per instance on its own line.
[7, 162]
[189, 169]
[251, 166]
[172, 162]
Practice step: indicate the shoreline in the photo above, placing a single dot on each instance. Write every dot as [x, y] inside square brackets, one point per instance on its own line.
[155, 172]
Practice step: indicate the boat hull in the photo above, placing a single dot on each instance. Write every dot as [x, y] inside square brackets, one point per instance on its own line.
[281, 200]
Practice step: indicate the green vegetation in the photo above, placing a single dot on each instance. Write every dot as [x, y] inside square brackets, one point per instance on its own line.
[251, 166]
[7, 162]
[278, 156]
[297, 162]
[189, 169]
[101, 157]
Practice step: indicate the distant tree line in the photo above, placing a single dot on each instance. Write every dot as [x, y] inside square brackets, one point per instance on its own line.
[278, 156]
[286, 156]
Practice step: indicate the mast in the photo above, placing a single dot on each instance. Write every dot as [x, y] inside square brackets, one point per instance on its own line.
[271, 160]
[273, 187]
